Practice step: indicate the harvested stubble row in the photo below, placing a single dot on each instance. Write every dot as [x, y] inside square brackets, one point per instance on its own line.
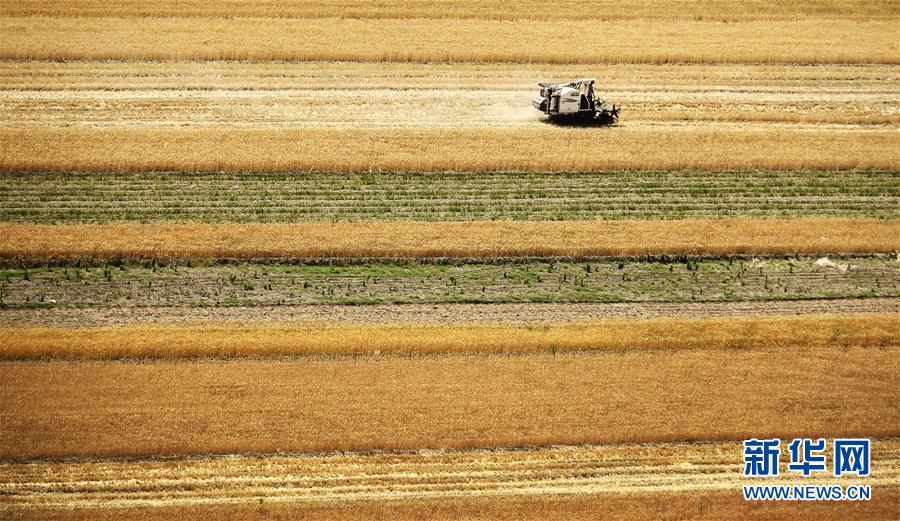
[236, 340]
[434, 150]
[449, 40]
[604, 470]
[108, 408]
[241, 197]
[36, 243]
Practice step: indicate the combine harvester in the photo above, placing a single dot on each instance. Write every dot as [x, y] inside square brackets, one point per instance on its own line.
[574, 102]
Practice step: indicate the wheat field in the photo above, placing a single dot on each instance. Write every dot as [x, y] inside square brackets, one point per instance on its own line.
[322, 259]
[718, 10]
[234, 406]
[449, 40]
[239, 150]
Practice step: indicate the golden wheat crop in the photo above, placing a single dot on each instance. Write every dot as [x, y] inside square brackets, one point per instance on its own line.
[511, 149]
[434, 86]
[233, 339]
[35, 243]
[103, 408]
[720, 10]
[450, 40]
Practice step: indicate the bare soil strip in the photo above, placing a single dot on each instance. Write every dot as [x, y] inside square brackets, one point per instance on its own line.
[520, 314]
[30, 244]
[108, 197]
[511, 149]
[55, 409]
[659, 279]
[416, 475]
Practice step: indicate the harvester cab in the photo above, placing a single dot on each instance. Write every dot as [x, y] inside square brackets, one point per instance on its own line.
[575, 101]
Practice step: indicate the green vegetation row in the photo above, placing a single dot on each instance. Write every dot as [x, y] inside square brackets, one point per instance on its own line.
[669, 279]
[98, 198]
